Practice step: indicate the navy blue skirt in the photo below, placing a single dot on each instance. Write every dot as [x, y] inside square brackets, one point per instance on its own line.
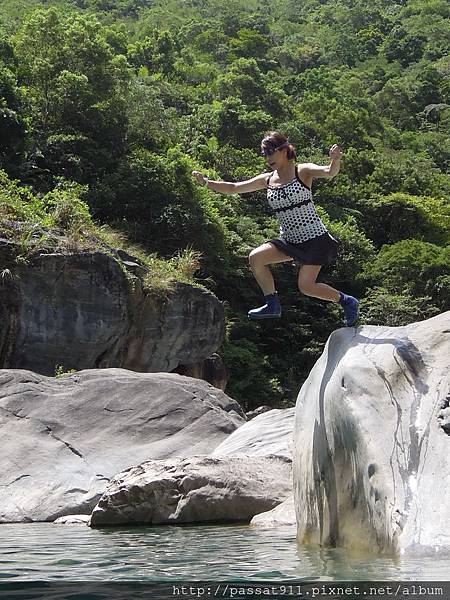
[321, 250]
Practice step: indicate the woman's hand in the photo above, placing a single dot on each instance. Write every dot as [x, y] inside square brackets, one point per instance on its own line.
[336, 152]
[200, 177]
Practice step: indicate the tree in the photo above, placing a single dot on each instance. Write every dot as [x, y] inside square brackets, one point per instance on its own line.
[12, 125]
[154, 199]
[242, 80]
[249, 43]
[382, 307]
[403, 46]
[157, 53]
[413, 267]
[399, 216]
[75, 85]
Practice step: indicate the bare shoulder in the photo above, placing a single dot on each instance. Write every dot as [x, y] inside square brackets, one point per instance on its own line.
[265, 176]
[261, 179]
[305, 173]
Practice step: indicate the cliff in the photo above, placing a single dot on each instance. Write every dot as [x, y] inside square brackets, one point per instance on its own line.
[91, 310]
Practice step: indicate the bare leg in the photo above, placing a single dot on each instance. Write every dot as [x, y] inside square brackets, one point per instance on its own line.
[308, 285]
[259, 258]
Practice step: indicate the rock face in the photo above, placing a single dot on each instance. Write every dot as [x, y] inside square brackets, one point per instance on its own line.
[371, 458]
[281, 515]
[64, 438]
[269, 433]
[193, 490]
[212, 370]
[251, 414]
[89, 310]
[73, 520]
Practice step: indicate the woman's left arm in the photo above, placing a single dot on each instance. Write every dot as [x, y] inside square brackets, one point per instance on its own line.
[313, 170]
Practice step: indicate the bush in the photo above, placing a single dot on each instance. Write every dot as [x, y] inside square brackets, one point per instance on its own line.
[413, 268]
[355, 250]
[155, 201]
[400, 216]
[380, 307]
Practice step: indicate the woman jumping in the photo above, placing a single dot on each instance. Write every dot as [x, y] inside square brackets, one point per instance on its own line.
[303, 236]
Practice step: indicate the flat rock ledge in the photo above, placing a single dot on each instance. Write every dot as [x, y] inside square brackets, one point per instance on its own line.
[199, 489]
[271, 432]
[371, 460]
[63, 438]
[281, 515]
[73, 520]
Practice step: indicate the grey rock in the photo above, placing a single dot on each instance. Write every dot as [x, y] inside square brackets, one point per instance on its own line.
[280, 516]
[64, 438]
[194, 490]
[269, 433]
[251, 414]
[371, 461]
[185, 328]
[73, 520]
[212, 370]
[86, 310]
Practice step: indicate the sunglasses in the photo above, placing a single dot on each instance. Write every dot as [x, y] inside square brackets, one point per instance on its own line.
[270, 151]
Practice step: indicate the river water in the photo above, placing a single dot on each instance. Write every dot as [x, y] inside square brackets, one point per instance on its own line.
[43, 551]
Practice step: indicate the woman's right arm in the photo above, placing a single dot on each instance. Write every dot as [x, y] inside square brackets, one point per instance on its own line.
[226, 187]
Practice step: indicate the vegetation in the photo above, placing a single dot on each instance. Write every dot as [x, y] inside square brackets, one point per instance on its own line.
[61, 221]
[106, 106]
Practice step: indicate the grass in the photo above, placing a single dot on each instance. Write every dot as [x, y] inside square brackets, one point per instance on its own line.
[61, 222]
[161, 274]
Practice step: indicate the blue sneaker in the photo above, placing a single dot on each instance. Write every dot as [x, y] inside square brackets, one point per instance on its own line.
[351, 309]
[270, 310]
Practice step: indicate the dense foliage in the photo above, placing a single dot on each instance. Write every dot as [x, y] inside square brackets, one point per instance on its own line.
[112, 103]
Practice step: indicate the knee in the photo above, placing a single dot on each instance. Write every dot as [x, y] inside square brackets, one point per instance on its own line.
[306, 288]
[254, 259]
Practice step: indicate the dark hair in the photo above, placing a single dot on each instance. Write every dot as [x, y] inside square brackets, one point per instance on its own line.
[275, 139]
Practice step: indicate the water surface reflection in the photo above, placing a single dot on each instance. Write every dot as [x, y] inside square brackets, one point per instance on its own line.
[43, 551]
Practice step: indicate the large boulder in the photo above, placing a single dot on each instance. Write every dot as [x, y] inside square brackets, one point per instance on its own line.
[194, 490]
[280, 516]
[271, 432]
[64, 438]
[90, 309]
[371, 458]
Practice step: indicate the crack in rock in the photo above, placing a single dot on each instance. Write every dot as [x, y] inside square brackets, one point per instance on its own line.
[49, 431]
[14, 480]
[69, 446]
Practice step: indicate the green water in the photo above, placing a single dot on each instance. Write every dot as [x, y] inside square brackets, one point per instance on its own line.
[44, 551]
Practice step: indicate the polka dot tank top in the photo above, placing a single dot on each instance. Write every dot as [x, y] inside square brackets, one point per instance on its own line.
[294, 208]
